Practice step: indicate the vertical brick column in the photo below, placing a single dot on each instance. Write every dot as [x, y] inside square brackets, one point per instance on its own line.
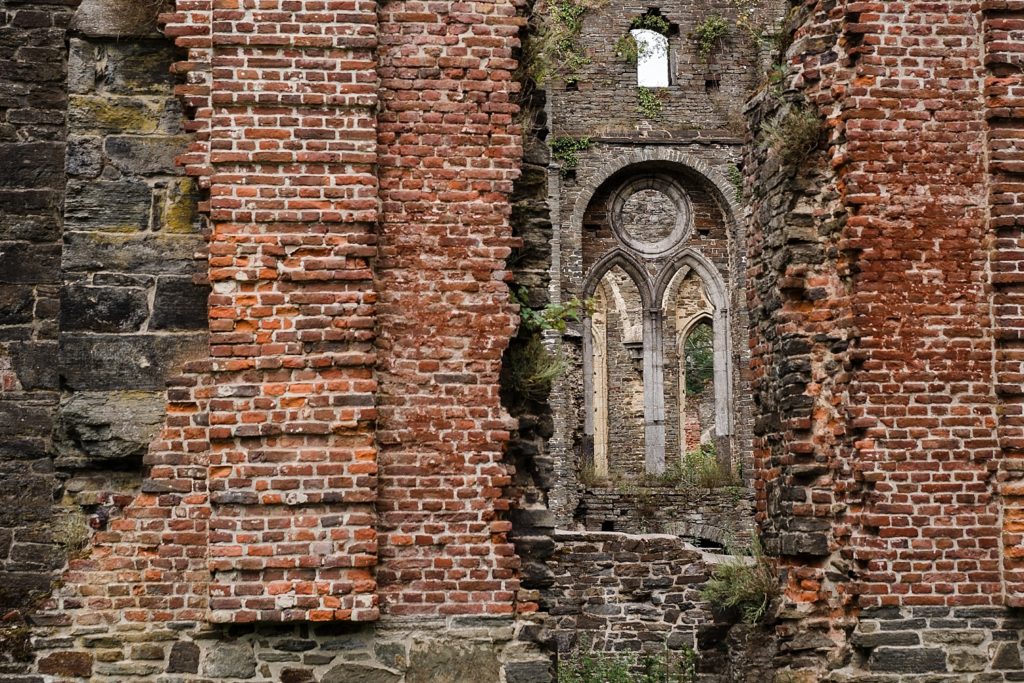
[449, 154]
[1003, 25]
[283, 95]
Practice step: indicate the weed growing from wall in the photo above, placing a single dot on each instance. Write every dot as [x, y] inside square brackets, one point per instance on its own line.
[553, 48]
[530, 369]
[649, 104]
[567, 148]
[748, 582]
[735, 177]
[709, 36]
[794, 135]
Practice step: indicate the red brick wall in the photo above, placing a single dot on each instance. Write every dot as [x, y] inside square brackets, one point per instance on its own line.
[449, 153]
[262, 502]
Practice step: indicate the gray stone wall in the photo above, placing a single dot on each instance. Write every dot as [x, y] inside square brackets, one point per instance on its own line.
[99, 298]
[704, 517]
[621, 593]
[132, 310]
[33, 99]
[456, 650]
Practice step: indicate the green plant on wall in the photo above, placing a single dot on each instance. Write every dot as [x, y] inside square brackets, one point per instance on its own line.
[748, 582]
[566, 149]
[648, 103]
[553, 48]
[795, 134]
[530, 368]
[735, 177]
[709, 35]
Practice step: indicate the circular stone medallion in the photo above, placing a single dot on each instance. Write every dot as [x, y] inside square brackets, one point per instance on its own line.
[651, 215]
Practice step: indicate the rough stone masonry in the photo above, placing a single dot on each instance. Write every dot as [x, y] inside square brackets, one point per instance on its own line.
[262, 270]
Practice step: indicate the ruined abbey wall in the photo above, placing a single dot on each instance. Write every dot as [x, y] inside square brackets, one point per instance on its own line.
[256, 341]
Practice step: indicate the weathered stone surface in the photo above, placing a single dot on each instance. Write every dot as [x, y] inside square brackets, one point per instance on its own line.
[907, 660]
[457, 663]
[144, 155]
[129, 253]
[16, 302]
[230, 660]
[137, 68]
[37, 164]
[92, 362]
[184, 658]
[29, 263]
[361, 673]
[33, 363]
[74, 664]
[84, 156]
[103, 309]
[113, 114]
[535, 671]
[104, 426]
[180, 214]
[179, 304]
[115, 206]
[115, 18]
[1008, 657]
[81, 66]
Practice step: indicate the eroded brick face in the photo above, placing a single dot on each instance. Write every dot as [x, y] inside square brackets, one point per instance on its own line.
[349, 150]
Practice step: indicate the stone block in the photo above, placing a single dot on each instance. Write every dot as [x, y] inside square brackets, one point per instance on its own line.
[33, 364]
[114, 206]
[69, 664]
[140, 362]
[22, 263]
[81, 66]
[144, 155]
[113, 114]
[16, 303]
[116, 18]
[84, 156]
[452, 663]
[184, 658]
[103, 309]
[230, 660]
[892, 638]
[179, 304]
[361, 673]
[1008, 657]
[180, 211]
[137, 68]
[907, 660]
[161, 254]
[104, 427]
[31, 165]
[534, 671]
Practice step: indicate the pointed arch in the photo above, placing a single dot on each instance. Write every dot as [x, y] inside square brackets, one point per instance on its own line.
[714, 285]
[636, 271]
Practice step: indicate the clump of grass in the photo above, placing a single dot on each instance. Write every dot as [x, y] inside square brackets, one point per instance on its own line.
[699, 468]
[71, 531]
[748, 582]
[794, 135]
[532, 369]
[610, 667]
